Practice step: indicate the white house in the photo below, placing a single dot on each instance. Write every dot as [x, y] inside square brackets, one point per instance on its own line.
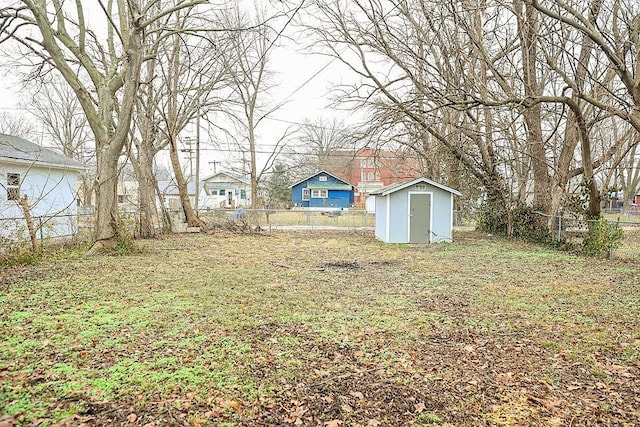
[416, 211]
[226, 190]
[47, 178]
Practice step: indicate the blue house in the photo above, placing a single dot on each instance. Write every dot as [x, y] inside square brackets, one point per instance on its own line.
[322, 191]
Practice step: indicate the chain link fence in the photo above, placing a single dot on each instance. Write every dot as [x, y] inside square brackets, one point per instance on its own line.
[571, 232]
[619, 236]
[288, 219]
[14, 234]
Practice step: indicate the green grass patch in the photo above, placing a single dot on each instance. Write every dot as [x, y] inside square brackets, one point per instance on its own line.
[312, 328]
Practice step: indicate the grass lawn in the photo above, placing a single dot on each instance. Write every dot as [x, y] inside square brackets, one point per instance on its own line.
[321, 329]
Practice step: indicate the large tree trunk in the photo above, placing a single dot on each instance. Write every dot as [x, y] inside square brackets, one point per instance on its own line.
[106, 184]
[528, 33]
[149, 222]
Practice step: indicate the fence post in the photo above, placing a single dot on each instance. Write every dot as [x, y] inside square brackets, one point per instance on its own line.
[40, 230]
[611, 231]
[559, 229]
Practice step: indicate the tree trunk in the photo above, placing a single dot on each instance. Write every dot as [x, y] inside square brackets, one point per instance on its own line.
[191, 217]
[106, 185]
[149, 222]
[26, 211]
[528, 33]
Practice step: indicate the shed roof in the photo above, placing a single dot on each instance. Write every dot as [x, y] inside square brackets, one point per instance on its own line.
[323, 172]
[402, 185]
[19, 150]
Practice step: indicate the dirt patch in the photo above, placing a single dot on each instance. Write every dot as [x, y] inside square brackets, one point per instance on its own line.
[346, 265]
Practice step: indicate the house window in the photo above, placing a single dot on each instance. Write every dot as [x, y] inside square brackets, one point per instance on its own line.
[421, 186]
[322, 178]
[13, 186]
[377, 176]
[221, 192]
[121, 198]
[243, 194]
[305, 194]
[319, 194]
[363, 163]
[370, 163]
[370, 176]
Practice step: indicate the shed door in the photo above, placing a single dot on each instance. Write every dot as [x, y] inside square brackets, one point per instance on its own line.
[419, 218]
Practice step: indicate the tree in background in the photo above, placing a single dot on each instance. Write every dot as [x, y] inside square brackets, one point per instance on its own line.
[56, 106]
[276, 192]
[16, 125]
[319, 140]
[513, 92]
[247, 62]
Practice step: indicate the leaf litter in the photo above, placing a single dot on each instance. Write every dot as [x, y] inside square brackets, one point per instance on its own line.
[203, 330]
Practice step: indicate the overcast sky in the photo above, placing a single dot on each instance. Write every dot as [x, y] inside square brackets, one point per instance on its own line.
[303, 81]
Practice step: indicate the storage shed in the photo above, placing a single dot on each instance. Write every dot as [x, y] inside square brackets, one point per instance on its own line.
[416, 211]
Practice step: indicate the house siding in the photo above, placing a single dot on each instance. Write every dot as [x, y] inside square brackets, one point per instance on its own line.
[342, 199]
[51, 192]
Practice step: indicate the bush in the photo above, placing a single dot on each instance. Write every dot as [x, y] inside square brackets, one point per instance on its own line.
[602, 238]
[519, 222]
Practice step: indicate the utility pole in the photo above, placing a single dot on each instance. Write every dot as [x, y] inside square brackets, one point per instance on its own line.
[189, 152]
[197, 154]
[214, 163]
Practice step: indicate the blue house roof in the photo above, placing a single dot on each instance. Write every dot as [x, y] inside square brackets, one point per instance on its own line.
[323, 172]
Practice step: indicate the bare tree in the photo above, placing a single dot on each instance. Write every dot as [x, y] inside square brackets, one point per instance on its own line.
[103, 70]
[16, 125]
[56, 106]
[317, 143]
[247, 63]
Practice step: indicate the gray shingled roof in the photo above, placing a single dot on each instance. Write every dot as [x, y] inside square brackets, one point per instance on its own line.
[14, 148]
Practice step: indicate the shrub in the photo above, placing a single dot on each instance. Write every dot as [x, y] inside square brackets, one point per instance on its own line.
[603, 236]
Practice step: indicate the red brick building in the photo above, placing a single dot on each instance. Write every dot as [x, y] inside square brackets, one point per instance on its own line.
[370, 169]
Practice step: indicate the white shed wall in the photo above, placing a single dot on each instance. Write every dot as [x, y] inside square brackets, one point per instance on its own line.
[392, 215]
[381, 217]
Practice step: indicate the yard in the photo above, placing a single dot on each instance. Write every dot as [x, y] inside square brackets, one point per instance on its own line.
[321, 328]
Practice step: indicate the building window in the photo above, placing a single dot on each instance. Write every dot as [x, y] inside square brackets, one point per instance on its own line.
[121, 198]
[370, 176]
[243, 194]
[221, 192]
[214, 192]
[370, 163]
[319, 194]
[305, 194]
[363, 163]
[322, 178]
[377, 176]
[13, 186]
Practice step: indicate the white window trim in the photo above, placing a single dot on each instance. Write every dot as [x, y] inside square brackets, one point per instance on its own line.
[307, 192]
[13, 188]
[319, 194]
